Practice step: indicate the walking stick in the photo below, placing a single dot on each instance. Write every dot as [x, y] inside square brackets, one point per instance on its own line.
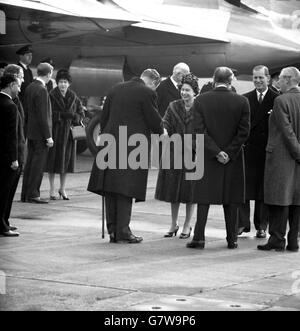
[103, 217]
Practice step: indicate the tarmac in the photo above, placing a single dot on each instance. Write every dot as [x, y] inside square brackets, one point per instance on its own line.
[61, 263]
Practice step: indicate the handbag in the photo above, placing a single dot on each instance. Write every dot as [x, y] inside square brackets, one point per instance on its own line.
[78, 132]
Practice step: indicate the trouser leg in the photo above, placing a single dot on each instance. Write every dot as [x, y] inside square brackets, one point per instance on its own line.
[278, 225]
[231, 216]
[11, 194]
[111, 208]
[294, 221]
[38, 158]
[6, 176]
[202, 214]
[27, 172]
[124, 211]
[244, 216]
[261, 216]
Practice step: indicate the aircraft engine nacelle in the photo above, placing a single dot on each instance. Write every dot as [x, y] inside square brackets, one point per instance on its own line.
[94, 77]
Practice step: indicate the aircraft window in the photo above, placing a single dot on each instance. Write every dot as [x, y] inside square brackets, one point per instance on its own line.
[2, 22]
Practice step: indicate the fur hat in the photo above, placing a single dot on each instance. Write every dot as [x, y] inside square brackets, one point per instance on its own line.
[63, 74]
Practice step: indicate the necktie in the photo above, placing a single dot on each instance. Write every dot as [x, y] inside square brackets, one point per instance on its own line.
[261, 99]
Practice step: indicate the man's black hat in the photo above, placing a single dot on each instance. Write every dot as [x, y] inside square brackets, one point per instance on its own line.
[24, 50]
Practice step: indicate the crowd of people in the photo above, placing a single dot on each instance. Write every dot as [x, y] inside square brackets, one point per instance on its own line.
[38, 138]
[251, 148]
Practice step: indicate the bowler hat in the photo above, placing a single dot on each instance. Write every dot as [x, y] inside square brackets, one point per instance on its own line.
[24, 50]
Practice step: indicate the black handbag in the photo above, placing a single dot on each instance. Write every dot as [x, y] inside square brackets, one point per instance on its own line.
[78, 132]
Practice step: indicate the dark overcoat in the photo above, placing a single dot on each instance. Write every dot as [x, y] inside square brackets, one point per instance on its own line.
[172, 185]
[167, 93]
[255, 149]
[8, 132]
[28, 79]
[282, 174]
[37, 106]
[133, 105]
[67, 112]
[224, 118]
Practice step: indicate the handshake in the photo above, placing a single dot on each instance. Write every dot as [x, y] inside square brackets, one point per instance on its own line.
[223, 158]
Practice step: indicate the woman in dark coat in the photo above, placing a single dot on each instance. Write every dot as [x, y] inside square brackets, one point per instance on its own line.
[67, 112]
[172, 186]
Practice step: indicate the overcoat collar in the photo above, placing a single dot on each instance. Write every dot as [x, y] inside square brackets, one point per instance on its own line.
[294, 90]
[222, 89]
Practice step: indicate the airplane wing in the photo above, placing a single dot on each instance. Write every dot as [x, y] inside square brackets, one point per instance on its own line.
[206, 23]
[107, 17]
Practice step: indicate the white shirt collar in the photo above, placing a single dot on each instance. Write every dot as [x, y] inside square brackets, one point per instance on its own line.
[263, 94]
[221, 85]
[6, 94]
[40, 80]
[24, 65]
[173, 81]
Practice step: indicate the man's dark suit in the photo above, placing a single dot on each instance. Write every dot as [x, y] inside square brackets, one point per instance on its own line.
[8, 152]
[224, 118]
[28, 79]
[133, 105]
[21, 159]
[255, 156]
[167, 93]
[37, 103]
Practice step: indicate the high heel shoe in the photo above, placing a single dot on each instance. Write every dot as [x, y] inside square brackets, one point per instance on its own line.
[53, 198]
[171, 234]
[63, 196]
[186, 236]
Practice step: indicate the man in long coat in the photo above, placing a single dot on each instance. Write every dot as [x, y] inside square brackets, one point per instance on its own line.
[168, 91]
[39, 134]
[224, 118]
[132, 105]
[282, 174]
[9, 88]
[261, 101]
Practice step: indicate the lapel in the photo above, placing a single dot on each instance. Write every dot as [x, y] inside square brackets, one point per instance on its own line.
[173, 90]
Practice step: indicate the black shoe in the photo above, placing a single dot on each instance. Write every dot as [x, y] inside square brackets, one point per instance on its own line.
[131, 240]
[186, 236]
[13, 228]
[63, 195]
[269, 247]
[135, 240]
[233, 246]
[196, 244]
[38, 201]
[293, 250]
[261, 234]
[10, 234]
[171, 234]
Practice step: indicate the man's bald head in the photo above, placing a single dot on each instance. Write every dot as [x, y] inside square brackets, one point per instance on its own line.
[180, 71]
[289, 78]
